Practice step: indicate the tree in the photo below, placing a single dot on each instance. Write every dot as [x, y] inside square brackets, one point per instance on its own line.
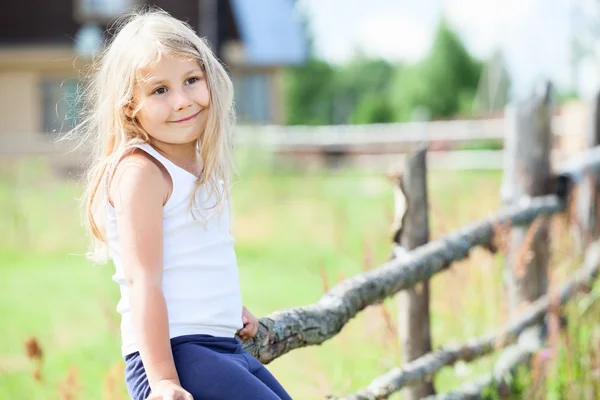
[445, 82]
[364, 84]
[309, 92]
[318, 93]
[309, 88]
[373, 109]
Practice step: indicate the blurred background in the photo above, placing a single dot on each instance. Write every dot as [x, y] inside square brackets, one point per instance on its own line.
[329, 95]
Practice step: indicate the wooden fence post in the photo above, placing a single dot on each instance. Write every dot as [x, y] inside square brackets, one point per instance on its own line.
[411, 230]
[527, 173]
[588, 203]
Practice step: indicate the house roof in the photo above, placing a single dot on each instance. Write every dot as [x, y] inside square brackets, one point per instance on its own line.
[272, 31]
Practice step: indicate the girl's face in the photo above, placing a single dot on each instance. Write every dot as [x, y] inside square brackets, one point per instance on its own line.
[174, 100]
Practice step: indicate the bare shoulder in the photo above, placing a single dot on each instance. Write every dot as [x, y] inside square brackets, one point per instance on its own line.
[138, 176]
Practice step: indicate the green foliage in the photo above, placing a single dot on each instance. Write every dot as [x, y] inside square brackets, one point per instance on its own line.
[569, 367]
[374, 91]
[481, 144]
[308, 93]
[321, 94]
[444, 83]
[366, 84]
[565, 95]
[371, 109]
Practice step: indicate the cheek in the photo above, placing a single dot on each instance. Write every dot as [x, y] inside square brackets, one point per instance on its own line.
[204, 95]
[153, 111]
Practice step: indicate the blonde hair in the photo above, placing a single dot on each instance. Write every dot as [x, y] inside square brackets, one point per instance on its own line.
[143, 38]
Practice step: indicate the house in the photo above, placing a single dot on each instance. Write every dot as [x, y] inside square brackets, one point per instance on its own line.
[44, 46]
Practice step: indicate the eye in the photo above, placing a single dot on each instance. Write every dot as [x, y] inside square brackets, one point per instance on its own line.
[160, 90]
[191, 80]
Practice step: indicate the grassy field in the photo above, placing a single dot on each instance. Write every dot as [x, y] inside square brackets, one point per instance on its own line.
[296, 235]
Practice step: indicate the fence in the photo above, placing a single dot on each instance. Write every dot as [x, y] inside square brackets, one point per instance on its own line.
[371, 146]
[531, 193]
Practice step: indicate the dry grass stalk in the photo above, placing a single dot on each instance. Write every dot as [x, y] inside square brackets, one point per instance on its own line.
[391, 336]
[367, 255]
[324, 277]
[500, 240]
[34, 352]
[113, 381]
[440, 228]
[525, 253]
[69, 387]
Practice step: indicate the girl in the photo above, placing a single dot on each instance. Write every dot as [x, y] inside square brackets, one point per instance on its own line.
[160, 115]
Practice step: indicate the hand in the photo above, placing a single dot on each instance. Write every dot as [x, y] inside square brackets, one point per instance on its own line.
[169, 390]
[250, 322]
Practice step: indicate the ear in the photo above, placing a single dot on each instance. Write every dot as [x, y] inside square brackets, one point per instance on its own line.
[128, 110]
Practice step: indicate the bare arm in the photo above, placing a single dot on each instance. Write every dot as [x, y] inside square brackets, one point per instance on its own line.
[138, 191]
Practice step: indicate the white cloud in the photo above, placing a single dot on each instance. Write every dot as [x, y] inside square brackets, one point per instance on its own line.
[533, 34]
[396, 37]
[486, 23]
[389, 28]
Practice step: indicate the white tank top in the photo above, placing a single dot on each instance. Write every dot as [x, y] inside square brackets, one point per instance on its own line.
[200, 275]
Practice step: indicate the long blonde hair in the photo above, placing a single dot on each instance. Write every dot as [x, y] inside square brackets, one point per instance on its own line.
[143, 37]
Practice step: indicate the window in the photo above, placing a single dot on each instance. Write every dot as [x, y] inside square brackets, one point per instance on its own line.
[101, 10]
[59, 104]
[252, 97]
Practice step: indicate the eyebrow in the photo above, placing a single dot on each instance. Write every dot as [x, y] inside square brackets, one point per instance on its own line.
[157, 80]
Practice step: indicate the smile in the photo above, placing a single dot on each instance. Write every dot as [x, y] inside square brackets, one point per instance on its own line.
[190, 118]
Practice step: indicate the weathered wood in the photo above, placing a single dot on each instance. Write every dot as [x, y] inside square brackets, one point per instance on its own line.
[423, 367]
[288, 329]
[527, 174]
[522, 351]
[412, 231]
[588, 202]
[517, 355]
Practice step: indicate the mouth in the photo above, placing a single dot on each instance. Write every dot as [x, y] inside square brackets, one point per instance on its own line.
[187, 119]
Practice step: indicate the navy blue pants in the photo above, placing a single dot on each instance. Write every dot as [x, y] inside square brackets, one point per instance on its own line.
[210, 368]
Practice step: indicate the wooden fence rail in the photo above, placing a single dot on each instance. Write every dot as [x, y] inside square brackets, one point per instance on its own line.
[534, 192]
[582, 279]
[429, 364]
[289, 329]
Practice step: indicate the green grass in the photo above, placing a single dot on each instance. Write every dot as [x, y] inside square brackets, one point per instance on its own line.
[297, 233]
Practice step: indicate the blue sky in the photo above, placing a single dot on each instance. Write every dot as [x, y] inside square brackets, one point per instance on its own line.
[533, 34]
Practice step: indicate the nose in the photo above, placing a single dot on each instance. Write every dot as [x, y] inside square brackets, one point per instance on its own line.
[181, 100]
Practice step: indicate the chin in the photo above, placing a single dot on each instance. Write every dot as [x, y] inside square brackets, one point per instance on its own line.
[189, 140]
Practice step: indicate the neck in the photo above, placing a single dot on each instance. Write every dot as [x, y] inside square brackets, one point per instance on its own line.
[184, 155]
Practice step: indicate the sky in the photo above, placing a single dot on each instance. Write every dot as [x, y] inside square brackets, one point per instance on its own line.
[534, 35]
